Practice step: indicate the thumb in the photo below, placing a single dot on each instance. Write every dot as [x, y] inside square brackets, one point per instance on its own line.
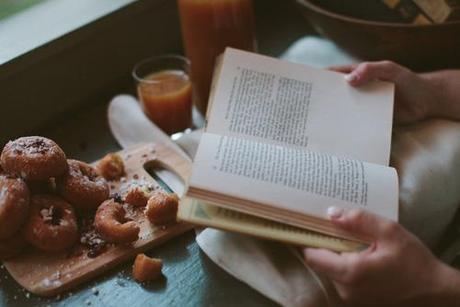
[360, 222]
[368, 71]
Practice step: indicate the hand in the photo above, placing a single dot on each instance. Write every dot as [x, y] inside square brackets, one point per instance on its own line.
[395, 270]
[415, 95]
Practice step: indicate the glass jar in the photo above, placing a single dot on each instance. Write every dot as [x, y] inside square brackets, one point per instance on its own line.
[208, 26]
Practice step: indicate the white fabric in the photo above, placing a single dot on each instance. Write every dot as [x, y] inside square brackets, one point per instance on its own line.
[426, 155]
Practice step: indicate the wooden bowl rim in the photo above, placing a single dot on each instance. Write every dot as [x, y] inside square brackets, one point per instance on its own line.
[309, 5]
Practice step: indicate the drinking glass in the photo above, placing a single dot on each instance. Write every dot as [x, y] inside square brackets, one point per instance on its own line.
[164, 90]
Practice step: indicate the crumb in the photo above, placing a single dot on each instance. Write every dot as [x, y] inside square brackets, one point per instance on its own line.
[91, 239]
[87, 302]
[27, 295]
[121, 283]
[162, 208]
[95, 291]
[111, 167]
[146, 268]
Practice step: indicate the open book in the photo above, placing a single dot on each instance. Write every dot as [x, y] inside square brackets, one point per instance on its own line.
[282, 143]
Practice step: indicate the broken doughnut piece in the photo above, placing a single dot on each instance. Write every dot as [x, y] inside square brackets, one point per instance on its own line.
[111, 167]
[137, 196]
[162, 208]
[146, 268]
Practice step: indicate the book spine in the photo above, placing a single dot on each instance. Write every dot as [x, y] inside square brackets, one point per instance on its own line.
[409, 11]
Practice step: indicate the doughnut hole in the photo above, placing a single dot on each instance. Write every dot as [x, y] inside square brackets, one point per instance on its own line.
[162, 208]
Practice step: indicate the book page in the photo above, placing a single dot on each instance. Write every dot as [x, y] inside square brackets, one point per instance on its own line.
[270, 100]
[291, 179]
[206, 214]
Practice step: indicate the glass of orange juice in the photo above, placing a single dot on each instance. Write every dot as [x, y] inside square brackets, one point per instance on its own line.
[164, 90]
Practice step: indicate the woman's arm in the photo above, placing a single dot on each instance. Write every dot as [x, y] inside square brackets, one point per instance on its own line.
[447, 85]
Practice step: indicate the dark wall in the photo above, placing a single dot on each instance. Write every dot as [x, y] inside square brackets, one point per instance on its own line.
[93, 63]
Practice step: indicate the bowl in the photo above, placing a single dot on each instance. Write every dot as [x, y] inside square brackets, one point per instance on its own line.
[420, 47]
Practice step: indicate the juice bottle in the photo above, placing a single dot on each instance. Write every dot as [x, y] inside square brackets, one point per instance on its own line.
[208, 26]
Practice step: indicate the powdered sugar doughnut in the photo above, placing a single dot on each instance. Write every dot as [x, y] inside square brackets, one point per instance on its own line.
[82, 186]
[33, 158]
[52, 224]
[111, 224]
[12, 246]
[14, 205]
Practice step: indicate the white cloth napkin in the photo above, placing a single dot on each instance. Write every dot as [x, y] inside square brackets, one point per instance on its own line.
[426, 155]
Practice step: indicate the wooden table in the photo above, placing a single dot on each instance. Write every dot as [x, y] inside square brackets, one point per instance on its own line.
[191, 278]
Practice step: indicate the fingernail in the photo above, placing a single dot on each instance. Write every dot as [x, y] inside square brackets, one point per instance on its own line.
[305, 254]
[334, 212]
[350, 77]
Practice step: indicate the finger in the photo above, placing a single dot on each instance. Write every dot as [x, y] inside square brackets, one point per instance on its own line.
[368, 71]
[360, 222]
[327, 262]
[345, 69]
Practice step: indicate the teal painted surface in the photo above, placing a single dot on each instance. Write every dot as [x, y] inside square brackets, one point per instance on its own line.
[11, 7]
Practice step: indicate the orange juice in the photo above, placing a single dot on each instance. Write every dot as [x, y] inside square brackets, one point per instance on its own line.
[208, 26]
[166, 97]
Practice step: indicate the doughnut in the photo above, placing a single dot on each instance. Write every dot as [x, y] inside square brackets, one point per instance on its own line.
[146, 268]
[14, 205]
[52, 224]
[137, 196]
[162, 208]
[33, 158]
[82, 186]
[111, 167]
[47, 186]
[111, 223]
[12, 246]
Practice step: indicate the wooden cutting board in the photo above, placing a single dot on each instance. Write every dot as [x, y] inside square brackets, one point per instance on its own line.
[49, 274]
